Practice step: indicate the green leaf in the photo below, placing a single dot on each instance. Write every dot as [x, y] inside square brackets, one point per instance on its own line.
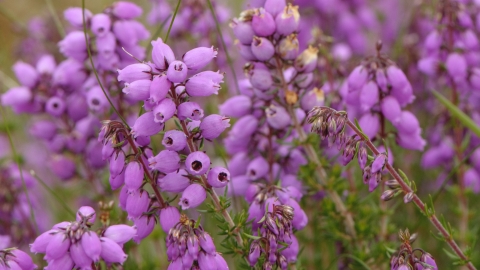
[252, 236]
[457, 113]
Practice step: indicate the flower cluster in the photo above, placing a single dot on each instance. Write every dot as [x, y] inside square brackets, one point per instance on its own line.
[75, 244]
[13, 258]
[115, 31]
[376, 90]
[190, 247]
[15, 198]
[275, 227]
[408, 258]
[271, 110]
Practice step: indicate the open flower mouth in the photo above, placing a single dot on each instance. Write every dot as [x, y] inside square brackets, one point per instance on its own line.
[222, 177]
[197, 165]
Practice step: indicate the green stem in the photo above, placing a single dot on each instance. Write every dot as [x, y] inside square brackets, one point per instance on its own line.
[173, 19]
[56, 19]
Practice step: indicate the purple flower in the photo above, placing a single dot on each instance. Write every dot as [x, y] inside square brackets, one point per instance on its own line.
[135, 72]
[137, 203]
[120, 234]
[198, 58]
[138, 90]
[213, 125]
[218, 177]
[369, 95]
[391, 109]
[26, 74]
[456, 66]
[204, 84]
[236, 106]
[74, 16]
[86, 213]
[191, 110]
[197, 163]
[145, 226]
[162, 54]
[79, 257]
[133, 176]
[263, 24]
[16, 96]
[164, 110]
[58, 246]
[145, 125]
[192, 196]
[159, 88]
[100, 24]
[277, 117]
[126, 10]
[176, 181]
[378, 163]
[117, 163]
[262, 48]
[288, 20]
[174, 140]
[357, 79]
[111, 251]
[73, 46]
[177, 72]
[257, 168]
[41, 242]
[307, 60]
[166, 161]
[243, 31]
[91, 245]
[169, 216]
[260, 76]
[370, 124]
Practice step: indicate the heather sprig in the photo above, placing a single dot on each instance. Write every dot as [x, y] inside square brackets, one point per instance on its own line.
[323, 117]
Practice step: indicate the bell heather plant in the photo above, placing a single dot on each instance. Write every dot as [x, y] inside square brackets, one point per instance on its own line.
[190, 167]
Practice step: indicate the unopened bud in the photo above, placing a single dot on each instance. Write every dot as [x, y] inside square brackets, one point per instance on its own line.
[388, 195]
[408, 197]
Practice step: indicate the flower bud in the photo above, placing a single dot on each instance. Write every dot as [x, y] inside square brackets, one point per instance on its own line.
[145, 125]
[263, 24]
[388, 195]
[243, 31]
[192, 196]
[428, 65]
[100, 24]
[274, 7]
[262, 48]
[162, 54]
[408, 197]
[137, 204]
[379, 162]
[197, 163]
[257, 168]
[87, 213]
[206, 243]
[213, 125]
[26, 74]
[198, 58]
[43, 129]
[166, 161]
[117, 181]
[62, 167]
[174, 182]
[164, 110]
[159, 88]
[204, 84]
[307, 60]
[218, 177]
[126, 10]
[117, 163]
[137, 90]
[287, 21]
